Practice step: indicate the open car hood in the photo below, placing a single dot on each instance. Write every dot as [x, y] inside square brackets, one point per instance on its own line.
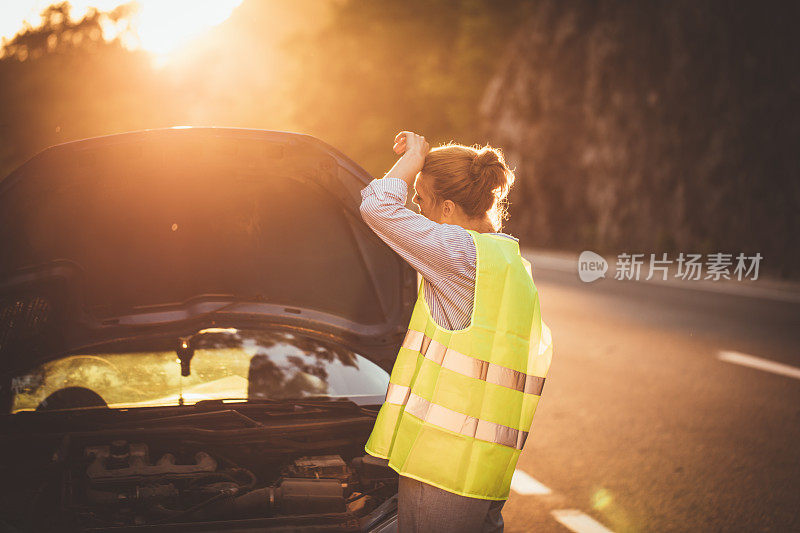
[163, 232]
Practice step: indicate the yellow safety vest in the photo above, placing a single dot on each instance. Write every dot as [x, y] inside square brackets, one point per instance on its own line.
[460, 403]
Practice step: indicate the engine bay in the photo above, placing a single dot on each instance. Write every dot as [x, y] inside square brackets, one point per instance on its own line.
[153, 479]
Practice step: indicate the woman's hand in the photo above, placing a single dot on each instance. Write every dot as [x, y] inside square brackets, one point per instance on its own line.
[412, 146]
[408, 141]
[414, 149]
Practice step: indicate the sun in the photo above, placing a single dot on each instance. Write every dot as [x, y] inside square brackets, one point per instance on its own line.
[162, 26]
[159, 27]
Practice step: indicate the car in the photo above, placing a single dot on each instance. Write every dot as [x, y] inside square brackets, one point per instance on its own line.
[196, 330]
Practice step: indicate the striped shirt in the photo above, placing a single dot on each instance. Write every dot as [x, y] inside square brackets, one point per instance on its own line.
[443, 254]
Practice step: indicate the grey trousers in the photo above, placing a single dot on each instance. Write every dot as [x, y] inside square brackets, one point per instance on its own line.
[423, 508]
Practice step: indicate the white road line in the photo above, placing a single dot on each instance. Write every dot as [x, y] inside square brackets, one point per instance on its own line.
[572, 519]
[761, 364]
[578, 522]
[522, 483]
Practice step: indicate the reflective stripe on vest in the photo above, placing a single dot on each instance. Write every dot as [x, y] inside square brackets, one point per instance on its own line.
[471, 366]
[443, 417]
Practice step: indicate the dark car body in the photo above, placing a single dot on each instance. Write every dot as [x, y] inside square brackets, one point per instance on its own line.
[226, 269]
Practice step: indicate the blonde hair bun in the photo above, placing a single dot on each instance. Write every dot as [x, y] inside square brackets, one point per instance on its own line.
[475, 178]
[484, 158]
[489, 168]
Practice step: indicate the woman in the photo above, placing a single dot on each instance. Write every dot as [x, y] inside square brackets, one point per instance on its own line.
[470, 371]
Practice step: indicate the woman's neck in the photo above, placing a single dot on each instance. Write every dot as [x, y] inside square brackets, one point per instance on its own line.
[480, 225]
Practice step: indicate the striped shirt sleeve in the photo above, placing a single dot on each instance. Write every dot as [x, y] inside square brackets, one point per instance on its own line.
[437, 251]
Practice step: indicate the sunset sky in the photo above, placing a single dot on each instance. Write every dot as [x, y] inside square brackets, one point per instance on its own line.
[161, 26]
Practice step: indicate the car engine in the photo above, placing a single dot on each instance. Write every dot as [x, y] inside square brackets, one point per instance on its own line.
[127, 485]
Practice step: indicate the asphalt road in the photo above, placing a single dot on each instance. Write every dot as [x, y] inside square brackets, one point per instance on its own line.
[642, 427]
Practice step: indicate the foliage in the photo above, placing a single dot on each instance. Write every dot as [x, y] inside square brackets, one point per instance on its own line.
[63, 81]
[381, 67]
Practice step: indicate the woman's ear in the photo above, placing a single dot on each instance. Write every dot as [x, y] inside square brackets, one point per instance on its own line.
[448, 208]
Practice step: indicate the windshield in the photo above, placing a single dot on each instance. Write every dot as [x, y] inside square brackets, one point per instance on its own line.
[227, 364]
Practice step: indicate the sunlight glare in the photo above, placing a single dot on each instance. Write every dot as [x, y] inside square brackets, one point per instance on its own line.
[162, 26]
[158, 26]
